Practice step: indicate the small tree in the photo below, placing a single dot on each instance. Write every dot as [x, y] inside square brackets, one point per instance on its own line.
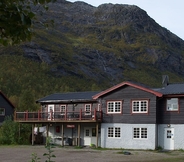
[49, 154]
[49, 147]
[34, 158]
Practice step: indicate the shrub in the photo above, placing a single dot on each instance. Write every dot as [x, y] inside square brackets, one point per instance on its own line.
[12, 133]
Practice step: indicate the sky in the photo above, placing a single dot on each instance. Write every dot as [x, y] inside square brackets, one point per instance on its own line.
[167, 13]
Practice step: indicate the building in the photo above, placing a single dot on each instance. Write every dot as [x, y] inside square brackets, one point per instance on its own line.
[6, 107]
[128, 115]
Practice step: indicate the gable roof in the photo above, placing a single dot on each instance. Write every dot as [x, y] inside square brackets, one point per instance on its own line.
[1, 93]
[172, 89]
[135, 85]
[68, 97]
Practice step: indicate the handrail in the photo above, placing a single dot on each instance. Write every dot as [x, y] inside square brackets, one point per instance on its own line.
[58, 115]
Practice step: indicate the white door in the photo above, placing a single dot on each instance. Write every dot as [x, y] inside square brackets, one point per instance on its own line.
[50, 112]
[169, 138]
[89, 136]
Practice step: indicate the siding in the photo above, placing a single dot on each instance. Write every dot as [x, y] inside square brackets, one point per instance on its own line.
[126, 94]
[126, 141]
[178, 135]
[80, 106]
[8, 108]
[76, 107]
[71, 132]
[165, 117]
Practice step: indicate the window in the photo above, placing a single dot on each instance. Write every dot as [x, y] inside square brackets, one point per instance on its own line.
[140, 133]
[117, 132]
[2, 111]
[110, 132]
[87, 133]
[114, 107]
[62, 108]
[169, 133]
[88, 109]
[114, 132]
[143, 132]
[172, 104]
[93, 132]
[140, 106]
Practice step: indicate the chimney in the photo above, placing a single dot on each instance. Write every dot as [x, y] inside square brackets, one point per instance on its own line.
[165, 80]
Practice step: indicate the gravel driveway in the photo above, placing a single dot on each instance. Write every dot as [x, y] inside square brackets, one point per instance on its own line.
[71, 154]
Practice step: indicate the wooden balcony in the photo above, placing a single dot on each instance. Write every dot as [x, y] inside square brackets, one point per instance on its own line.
[67, 116]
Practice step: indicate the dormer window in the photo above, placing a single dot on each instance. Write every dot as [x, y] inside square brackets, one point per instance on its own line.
[172, 104]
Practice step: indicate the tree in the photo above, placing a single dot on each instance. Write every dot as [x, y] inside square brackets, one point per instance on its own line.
[27, 101]
[14, 133]
[17, 19]
[15, 100]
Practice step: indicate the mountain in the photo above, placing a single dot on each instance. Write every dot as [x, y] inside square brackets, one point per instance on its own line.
[94, 48]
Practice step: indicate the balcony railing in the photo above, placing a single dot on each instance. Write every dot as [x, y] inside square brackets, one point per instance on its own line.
[58, 116]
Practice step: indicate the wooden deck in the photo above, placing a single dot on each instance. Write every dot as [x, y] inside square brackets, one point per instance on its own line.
[48, 117]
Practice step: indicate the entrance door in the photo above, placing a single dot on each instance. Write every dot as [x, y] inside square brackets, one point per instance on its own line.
[89, 136]
[50, 112]
[169, 138]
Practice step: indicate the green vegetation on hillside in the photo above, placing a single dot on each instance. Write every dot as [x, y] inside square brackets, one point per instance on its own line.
[19, 76]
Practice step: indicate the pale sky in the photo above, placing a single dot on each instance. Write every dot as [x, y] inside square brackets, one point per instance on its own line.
[167, 13]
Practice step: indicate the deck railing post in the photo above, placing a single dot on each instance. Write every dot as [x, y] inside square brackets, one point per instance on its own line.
[65, 114]
[95, 114]
[27, 115]
[38, 114]
[24, 115]
[80, 117]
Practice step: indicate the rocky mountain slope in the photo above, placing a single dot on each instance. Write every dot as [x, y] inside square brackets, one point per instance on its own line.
[106, 44]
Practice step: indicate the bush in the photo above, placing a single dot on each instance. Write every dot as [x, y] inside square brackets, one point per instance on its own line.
[12, 133]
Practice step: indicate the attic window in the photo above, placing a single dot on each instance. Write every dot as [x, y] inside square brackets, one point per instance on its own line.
[172, 104]
[2, 111]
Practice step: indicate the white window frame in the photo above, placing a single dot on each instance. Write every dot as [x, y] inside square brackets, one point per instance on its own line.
[114, 132]
[62, 108]
[87, 109]
[113, 107]
[172, 104]
[2, 111]
[140, 106]
[140, 133]
[99, 107]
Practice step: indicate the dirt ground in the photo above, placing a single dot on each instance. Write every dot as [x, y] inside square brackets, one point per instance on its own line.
[71, 154]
